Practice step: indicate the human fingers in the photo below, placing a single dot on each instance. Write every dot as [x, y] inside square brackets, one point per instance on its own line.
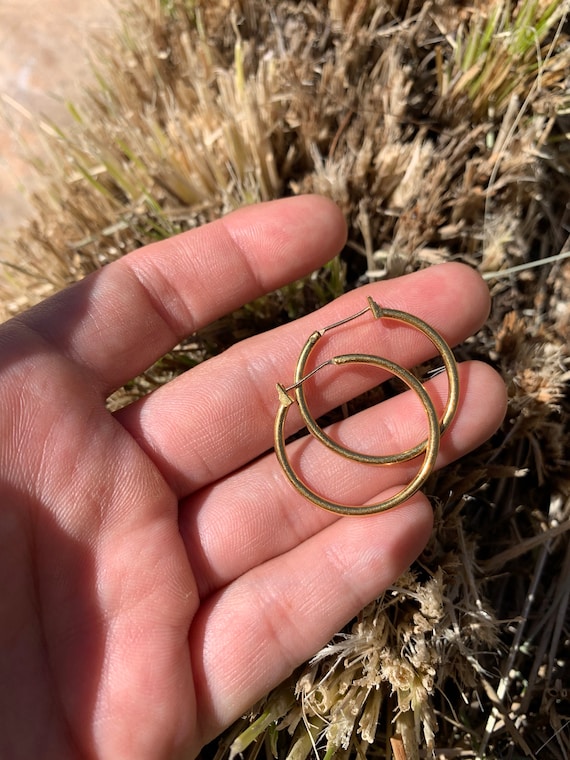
[219, 416]
[119, 320]
[251, 634]
[255, 514]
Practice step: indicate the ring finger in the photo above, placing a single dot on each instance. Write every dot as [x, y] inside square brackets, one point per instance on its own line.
[255, 514]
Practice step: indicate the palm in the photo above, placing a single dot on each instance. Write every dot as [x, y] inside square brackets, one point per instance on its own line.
[148, 599]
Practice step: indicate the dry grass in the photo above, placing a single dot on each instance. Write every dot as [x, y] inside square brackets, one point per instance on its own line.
[441, 129]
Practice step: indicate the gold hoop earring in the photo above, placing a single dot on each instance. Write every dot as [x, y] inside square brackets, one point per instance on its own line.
[399, 316]
[431, 447]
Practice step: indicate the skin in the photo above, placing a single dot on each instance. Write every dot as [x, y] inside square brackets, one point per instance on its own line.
[158, 572]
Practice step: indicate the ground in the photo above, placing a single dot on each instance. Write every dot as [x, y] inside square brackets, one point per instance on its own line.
[42, 62]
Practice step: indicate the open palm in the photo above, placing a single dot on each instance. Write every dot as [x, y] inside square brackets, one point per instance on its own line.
[159, 574]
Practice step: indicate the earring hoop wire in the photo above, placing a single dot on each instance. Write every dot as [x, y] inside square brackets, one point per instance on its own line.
[431, 444]
[399, 316]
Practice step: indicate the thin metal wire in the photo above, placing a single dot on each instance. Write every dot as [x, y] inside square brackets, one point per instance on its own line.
[307, 376]
[341, 322]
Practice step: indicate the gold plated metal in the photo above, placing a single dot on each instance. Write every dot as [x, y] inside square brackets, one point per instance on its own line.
[428, 447]
[379, 313]
[431, 446]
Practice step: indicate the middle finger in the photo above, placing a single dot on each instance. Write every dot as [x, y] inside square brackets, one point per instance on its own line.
[219, 416]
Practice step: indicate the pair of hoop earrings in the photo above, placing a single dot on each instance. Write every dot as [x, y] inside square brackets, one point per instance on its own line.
[436, 427]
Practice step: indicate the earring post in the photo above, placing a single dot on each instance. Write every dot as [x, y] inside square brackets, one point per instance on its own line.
[308, 375]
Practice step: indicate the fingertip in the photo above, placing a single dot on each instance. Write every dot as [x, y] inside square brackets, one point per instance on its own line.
[315, 210]
[379, 548]
[328, 213]
[482, 408]
[473, 288]
[318, 221]
[451, 297]
[410, 527]
[297, 234]
[490, 391]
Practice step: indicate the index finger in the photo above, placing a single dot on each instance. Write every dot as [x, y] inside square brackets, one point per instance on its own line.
[118, 321]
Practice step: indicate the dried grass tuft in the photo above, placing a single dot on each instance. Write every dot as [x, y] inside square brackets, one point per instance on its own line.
[441, 130]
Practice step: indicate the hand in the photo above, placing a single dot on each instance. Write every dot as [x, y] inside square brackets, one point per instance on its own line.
[159, 573]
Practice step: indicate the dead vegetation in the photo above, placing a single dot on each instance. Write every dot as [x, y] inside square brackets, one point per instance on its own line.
[441, 130]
